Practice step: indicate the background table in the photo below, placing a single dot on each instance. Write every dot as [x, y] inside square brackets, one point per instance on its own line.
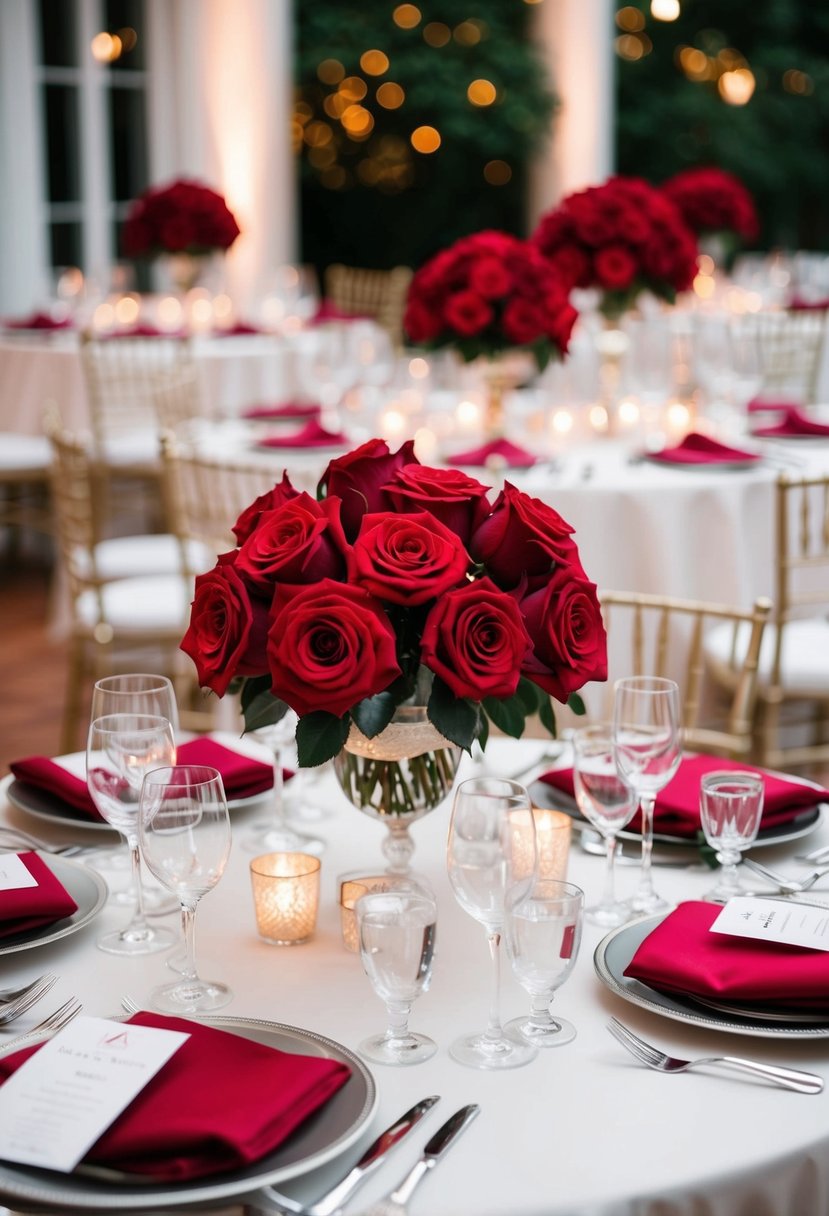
[581, 1131]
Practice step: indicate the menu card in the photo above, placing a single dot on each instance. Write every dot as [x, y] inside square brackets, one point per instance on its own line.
[775, 920]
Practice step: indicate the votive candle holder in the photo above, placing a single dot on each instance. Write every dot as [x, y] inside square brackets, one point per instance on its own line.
[285, 896]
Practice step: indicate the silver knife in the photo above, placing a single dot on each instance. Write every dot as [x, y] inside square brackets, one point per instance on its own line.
[394, 1204]
[334, 1199]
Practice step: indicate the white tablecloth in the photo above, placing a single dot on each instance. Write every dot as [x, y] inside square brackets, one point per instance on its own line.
[581, 1131]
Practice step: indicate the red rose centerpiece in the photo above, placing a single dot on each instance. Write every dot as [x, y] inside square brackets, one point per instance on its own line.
[399, 615]
[715, 205]
[623, 237]
[185, 220]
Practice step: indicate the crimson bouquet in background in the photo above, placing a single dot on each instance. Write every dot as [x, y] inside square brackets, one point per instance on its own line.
[399, 584]
[713, 201]
[487, 294]
[183, 217]
[622, 237]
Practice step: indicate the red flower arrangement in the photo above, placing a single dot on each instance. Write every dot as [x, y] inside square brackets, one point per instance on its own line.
[622, 237]
[486, 294]
[712, 200]
[398, 578]
[183, 217]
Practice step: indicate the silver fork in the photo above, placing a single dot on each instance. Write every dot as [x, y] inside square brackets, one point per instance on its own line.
[788, 1078]
[789, 886]
[50, 1025]
[11, 994]
[19, 839]
[12, 1007]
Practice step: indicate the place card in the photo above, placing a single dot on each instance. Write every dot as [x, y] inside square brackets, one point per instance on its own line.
[775, 920]
[14, 873]
[65, 1096]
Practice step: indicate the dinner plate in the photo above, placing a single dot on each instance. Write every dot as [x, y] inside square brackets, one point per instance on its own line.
[322, 1138]
[707, 466]
[89, 892]
[613, 954]
[805, 822]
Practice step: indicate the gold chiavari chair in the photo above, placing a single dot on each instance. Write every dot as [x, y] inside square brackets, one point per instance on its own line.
[789, 345]
[792, 719]
[664, 636]
[379, 294]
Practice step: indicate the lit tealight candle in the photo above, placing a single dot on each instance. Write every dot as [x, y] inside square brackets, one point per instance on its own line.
[552, 841]
[285, 896]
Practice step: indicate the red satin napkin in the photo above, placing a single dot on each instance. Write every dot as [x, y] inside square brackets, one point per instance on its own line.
[237, 330]
[681, 955]
[312, 435]
[33, 907]
[328, 311]
[701, 449]
[142, 330]
[38, 320]
[498, 450]
[801, 304]
[793, 424]
[288, 409]
[243, 776]
[677, 806]
[765, 405]
[220, 1103]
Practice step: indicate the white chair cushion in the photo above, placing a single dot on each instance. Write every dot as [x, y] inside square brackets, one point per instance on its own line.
[24, 453]
[804, 660]
[131, 556]
[135, 448]
[140, 604]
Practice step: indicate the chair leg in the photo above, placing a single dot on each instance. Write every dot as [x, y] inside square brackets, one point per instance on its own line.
[72, 702]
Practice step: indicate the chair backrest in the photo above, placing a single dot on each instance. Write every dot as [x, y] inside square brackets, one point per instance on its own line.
[379, 294]
[663, 636]
[802, 560]
[789, 349]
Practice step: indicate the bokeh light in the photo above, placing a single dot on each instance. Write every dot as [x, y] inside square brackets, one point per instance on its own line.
[406, 16]
[481, 92]
[390, 95]
[425, 139]
[374, 63]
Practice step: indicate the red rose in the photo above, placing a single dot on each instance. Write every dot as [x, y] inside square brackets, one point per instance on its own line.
[457, 500]
[300, 542]
[467, 313]
[615, 267]
[564, 621]
[406, 559]
[421, 324]
[249, 519]
[330, 645]
[490, 278]
[523, 536]
[227, 630]
[358, 479]
[523, 322]
[475, 640]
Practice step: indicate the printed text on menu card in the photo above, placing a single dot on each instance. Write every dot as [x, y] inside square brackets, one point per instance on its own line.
[14, 874]
[775, 920]
[65, 1096]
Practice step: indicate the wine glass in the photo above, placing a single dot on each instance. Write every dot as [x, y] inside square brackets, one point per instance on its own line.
[607, 801]
[489, 851]
[120, 749]
[543, 932]
[730, 808]
[396, 931]
[275, 834]
[647, 746]
[185, 840]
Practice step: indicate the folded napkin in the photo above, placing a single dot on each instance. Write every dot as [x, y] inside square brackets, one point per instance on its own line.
[287, 409]
[793, 424]
[701, 449]
[765, 405]
[243, 776]
[677, 805]
[38, 320]
[681, 955]
[218, 1104]
[236, 330]
[312, 435]
[33, 907]
[802, 304]
[328, 311]
[143, 330]
[497, 451]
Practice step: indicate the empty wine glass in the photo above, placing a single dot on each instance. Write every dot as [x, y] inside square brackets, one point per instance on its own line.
[396, 931]
[275, 834]
[543, 932]
[730, 808]
[647, 746]
[185, 841]
[121, 749]
[488, 852]
[607, 801]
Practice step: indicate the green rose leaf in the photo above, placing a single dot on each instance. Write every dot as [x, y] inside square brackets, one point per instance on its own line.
[547, 715]
[373, 714]
[456, 718]
[319, 737]
[259, 706]
[507, 714]
[530, 694]
[575, 703]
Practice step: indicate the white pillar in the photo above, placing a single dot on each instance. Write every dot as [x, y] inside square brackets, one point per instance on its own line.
[576, 38]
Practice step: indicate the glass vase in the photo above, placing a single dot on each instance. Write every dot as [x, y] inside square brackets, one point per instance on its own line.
[398, 777]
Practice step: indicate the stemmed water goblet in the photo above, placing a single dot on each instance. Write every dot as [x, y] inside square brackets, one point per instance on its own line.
[490, 850]
[121, 749]
[275, 834]
[542, 931]
[396, 931]
[606, 800]
[185, 840]
[647, 746]
[730, 808]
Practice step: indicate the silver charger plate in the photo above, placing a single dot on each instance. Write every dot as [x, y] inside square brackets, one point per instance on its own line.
[322, 1138]
[89, 892]
[612, 956]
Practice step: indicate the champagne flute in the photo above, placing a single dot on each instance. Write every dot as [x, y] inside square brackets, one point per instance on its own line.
[543, 933]
[647, 747]
[730, 806]
[275, 834]
[121, 748]
[396, 932]
[185, 840]
[607, 801]
[489, 851]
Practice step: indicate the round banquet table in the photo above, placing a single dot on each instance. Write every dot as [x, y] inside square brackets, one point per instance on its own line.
[581, 1131]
